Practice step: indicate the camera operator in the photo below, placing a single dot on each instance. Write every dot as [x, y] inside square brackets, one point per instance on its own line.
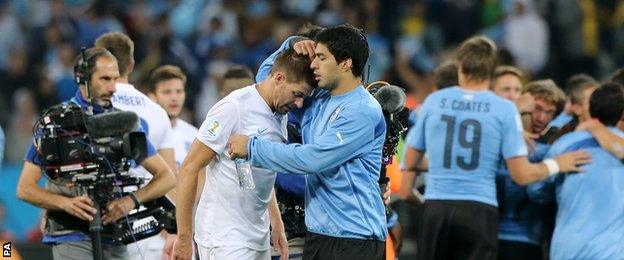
[98, 68]
[155, 122]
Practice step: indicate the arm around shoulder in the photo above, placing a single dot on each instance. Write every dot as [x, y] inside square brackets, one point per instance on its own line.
[523, 172]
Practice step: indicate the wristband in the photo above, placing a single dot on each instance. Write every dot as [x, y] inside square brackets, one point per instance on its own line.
[552, 165]
[136, 201]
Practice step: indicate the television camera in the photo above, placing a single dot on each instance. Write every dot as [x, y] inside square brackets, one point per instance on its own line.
[392, 101]
[95, 153]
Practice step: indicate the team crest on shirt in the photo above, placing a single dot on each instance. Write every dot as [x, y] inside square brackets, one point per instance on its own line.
[335, 114]
[214, 129]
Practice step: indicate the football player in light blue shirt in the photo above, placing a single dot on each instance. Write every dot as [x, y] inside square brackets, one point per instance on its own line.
[343, 131]
[521, 228]
[590, 215]
[466, 131]
[445, 76]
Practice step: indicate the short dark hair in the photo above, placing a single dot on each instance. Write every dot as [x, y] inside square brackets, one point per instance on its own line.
[477, 58]
[165, 72]
[607, 103]
[576, 84]
[346, 42]
[296, 67]
[84, 64]
[445, 75]
[119, 45]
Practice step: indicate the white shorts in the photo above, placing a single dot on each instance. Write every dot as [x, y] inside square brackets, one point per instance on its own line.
[232, 252]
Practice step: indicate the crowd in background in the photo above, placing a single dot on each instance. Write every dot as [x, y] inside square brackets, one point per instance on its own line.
[408, 39]
[547, 38]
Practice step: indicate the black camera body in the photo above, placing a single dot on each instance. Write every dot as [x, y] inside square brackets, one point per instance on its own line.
[396, 125]
[60, 148]
[392, 101]
[95, 152]
[72, 144]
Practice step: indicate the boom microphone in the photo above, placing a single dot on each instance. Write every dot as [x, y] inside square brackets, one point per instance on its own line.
[391, 98]
[112, 124]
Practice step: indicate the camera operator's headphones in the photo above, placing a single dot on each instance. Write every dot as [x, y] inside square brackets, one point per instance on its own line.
[376, 85]
[84, 67]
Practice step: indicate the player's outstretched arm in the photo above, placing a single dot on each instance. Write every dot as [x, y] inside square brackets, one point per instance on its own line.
[198, 157]
[607, 140]
[523, 172]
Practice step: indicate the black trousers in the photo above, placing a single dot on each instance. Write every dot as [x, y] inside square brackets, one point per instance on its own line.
[321, 247]
[514, 250]
[456, 229]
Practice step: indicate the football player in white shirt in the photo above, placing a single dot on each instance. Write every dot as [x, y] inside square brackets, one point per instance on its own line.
[154, 121]
[167, 88]
[232, 223]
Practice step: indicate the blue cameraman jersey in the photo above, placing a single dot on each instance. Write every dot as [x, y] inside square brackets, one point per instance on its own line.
[521, 219]
[590, 213]
[465, 134]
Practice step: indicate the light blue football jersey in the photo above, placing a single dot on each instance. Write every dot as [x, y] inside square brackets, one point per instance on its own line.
[466, 134]
[590, 213]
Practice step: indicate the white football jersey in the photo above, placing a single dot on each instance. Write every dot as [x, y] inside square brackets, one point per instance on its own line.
[184, 134]
[226, 214]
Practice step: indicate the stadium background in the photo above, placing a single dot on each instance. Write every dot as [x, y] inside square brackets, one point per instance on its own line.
[408, 39]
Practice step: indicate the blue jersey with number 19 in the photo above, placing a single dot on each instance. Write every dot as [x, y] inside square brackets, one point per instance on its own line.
[466, 134]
